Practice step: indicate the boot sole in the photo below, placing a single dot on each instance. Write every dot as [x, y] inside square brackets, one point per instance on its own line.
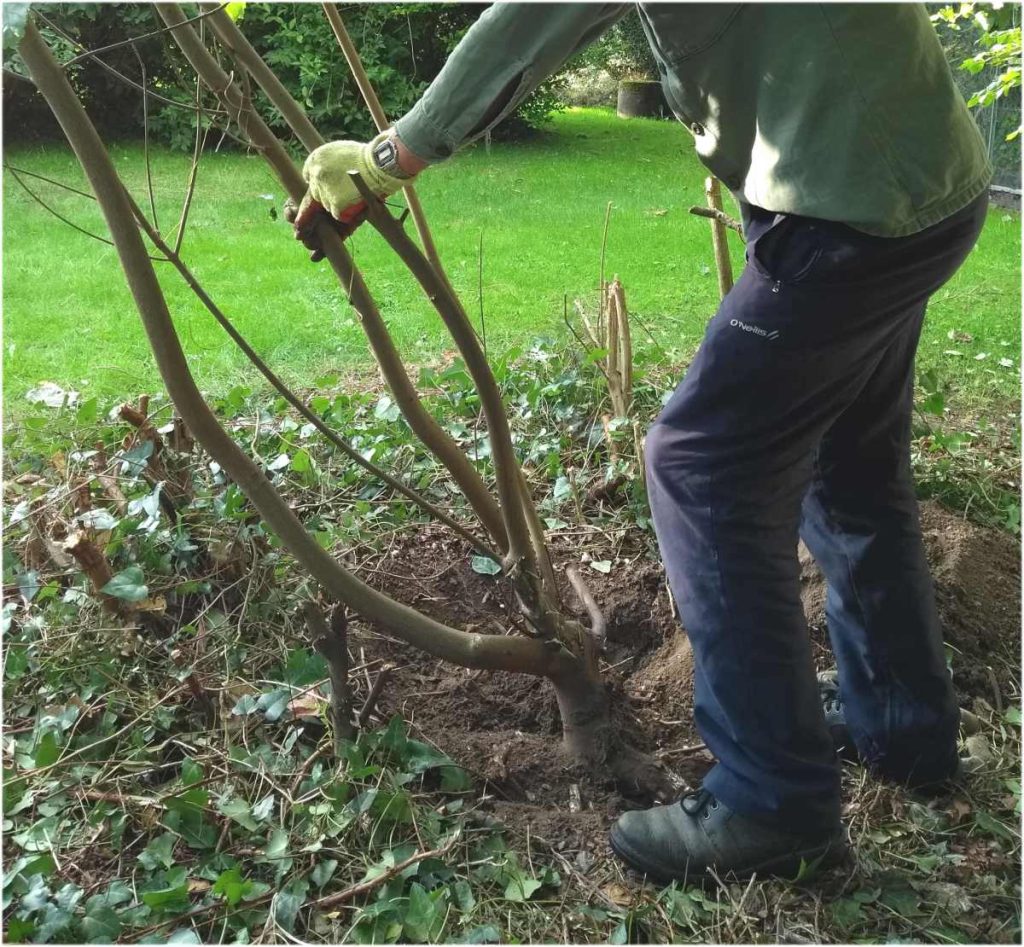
[826, 854]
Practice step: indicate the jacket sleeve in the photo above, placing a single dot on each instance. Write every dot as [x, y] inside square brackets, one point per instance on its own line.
[503, 57]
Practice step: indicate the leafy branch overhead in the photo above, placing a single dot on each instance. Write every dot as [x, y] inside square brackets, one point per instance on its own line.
[998, 30]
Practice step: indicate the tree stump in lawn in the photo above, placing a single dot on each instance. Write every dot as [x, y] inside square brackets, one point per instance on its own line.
[639, 99]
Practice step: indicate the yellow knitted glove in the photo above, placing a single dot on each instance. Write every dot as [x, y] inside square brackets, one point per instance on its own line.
[327, 172]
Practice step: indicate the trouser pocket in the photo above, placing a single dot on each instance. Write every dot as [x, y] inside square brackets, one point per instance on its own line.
[787, 251]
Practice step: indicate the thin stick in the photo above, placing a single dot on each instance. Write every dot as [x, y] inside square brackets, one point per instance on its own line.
[371, 700]
[332, 643]
[480, 292]
[604, 246]
[598, 625]
[409, 401]
[193, 172]
[63, 219]
[325, 903]
[145, 136]
[120, 76]
[366, 89]
[720, 215]
[43, 177]
[135, 39]
[583, 343]
[364, 887]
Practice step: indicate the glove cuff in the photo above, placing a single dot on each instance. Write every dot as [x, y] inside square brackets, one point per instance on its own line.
[380, 181]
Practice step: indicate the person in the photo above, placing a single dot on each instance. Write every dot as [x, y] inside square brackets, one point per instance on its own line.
[862, 182]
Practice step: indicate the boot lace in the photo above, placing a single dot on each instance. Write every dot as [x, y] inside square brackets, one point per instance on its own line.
[700, 803]
[831, 702]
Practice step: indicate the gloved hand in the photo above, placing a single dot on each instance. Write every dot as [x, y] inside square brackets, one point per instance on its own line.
[332, 193]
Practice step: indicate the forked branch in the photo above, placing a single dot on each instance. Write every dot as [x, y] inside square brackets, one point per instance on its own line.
[464, 648]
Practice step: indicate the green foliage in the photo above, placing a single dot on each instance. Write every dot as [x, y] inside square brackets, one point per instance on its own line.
[403, 46]
[995, 32]
[623, 51]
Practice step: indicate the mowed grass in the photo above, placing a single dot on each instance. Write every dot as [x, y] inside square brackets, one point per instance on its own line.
[538, 208]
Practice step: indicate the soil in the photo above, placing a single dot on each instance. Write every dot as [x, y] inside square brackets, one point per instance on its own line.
[504, 728]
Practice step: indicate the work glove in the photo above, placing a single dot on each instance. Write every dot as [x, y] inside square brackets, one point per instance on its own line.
[332, 195]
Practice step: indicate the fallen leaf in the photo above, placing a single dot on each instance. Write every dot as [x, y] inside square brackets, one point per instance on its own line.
[308, 705]
[157, 604]
[617, 894]
[51, 395]
[959, 810]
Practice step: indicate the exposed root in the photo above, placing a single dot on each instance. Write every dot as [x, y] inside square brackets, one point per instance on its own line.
[640, 775]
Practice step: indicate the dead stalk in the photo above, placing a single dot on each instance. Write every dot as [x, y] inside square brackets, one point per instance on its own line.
[723, 265]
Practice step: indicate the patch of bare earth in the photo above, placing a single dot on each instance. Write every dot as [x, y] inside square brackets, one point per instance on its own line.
[504, 728]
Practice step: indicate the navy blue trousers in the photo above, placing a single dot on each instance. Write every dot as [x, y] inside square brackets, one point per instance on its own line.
[793, 421]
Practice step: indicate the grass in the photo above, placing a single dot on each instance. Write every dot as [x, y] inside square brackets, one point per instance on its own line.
[538, 207]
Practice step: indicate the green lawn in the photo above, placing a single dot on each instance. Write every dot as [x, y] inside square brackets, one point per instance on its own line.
[539, 207]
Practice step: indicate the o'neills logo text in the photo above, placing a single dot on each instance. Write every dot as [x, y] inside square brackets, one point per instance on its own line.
[757, 330]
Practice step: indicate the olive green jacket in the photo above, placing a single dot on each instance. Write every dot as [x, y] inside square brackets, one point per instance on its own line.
[846, 112]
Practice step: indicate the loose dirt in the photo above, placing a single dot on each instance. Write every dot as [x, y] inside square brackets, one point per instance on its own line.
[504, 728]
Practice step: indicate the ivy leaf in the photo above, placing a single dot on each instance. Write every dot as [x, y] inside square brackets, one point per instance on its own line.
[29, 584]
[88, 411]
[15, 21]
[603, 566]
[521, 887]
[232, 886]
[301, 462]
[184, 935]
[159, 853]
[484, 934]
[455, 779]
[485, 565]
[169, 893]
[273, 704]
[99, 519]
[18, 931]
[101, 925]
[245, 706]
[387, 410]
[287, 902]
[54, 919]
[934, 404]
[47, 751]
[127, 586]
[191, 772]
[424, 916]
[321, 874]
[277, 845]
[238, 810]
[263, 809]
